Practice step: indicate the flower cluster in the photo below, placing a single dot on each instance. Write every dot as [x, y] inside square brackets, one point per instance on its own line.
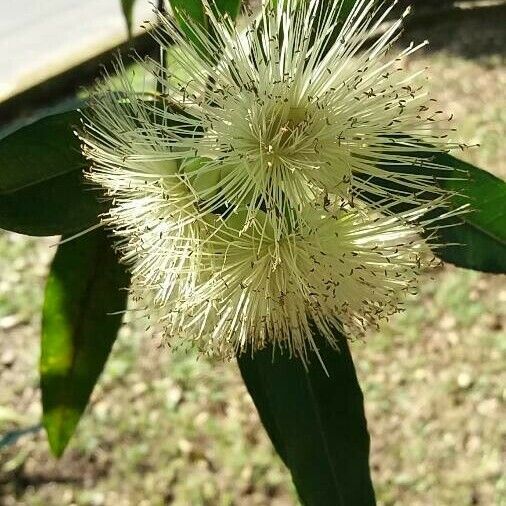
[255, 195]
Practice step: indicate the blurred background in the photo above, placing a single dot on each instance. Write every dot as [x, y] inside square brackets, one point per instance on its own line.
[166, 428]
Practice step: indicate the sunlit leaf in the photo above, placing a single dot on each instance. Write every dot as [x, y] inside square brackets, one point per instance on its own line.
[194, 10]
[84, 299]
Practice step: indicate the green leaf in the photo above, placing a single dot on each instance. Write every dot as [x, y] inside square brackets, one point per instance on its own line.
[42, 190]
[65, 204]
[346, 7]
[230, 7]
[193, 9]
[316, 422]
[40, 151]
[85, 289]
[480, 234]
[127, 6]
[476, 239]
[185, 10]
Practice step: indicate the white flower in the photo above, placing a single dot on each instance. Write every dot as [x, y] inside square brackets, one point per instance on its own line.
[245, 196]
[153, 213]
[342, 267]
[297, 107]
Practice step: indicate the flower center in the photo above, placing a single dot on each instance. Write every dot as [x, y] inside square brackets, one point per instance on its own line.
[285, 133]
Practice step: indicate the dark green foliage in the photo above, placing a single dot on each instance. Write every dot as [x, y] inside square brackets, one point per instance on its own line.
[64, 204]
[474, 239]
[478, 238]
[40, 151]
[42, 190]
[185, 10]
[316, 422]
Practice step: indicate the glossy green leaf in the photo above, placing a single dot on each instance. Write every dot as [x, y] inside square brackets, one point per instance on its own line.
[40, 151]
[194, 9]
[85, 289]
[344, 9]
[42, 189]
[478, 238]
[127, 7]
[65, 204]
[316, 422]
[475, 239]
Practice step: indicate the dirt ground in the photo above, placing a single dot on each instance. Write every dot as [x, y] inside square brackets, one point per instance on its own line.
[166, 428]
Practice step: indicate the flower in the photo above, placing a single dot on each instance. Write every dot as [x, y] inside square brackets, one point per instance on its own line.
[344, 266]
[153, 213]
[245, 196]
[297, 107]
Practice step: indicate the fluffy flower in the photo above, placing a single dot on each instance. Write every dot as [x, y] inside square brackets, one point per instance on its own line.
[246, 195]
[153, 214]
[342, 267]
[301, 105]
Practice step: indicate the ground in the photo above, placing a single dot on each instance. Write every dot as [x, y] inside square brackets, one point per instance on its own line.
[166, 428]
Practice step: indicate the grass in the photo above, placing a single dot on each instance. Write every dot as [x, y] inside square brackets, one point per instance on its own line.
[166, 428]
